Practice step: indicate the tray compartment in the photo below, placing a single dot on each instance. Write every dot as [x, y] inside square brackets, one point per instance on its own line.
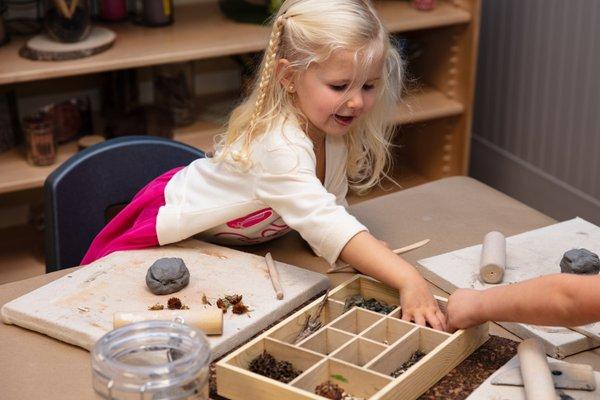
[356, 320]
[359, 351]
[419, 339]
[301, 359]
[326, 341]
[388, 331]
[288, 332]
[355, 381]
[368, 288]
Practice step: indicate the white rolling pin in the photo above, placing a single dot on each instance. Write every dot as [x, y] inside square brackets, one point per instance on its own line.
[209, 320]
[493, 258]
[537, 378]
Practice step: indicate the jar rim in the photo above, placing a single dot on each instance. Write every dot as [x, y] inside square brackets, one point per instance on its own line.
[117, 342]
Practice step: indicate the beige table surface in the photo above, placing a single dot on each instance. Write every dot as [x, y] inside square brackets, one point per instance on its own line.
[453, 213]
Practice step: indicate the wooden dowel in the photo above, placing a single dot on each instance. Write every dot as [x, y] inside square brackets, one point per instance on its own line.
[274, 274]
[493, 257]
[537, 378]
[396, 251]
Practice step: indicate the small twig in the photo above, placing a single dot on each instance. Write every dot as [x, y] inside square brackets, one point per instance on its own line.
[401, 250]
[312, 322]
[274, 274]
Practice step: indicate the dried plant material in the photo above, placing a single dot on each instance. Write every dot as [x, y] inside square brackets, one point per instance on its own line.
[205, 300]
[417, 355]
[266, 365]
[83, 309]
[312, 323]
[222, 305]
[233, 299]
[331, 390]
[371, 304]
[175, 304]
[156, 307]
[239, 308]
[339, 377]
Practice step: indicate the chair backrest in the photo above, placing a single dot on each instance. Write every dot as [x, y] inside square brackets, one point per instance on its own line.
[77, 194]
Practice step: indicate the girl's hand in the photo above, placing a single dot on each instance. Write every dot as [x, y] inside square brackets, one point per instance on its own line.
[463, 309]
[418, 304]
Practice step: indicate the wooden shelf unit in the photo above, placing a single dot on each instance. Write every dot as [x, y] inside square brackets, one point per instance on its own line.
[434, 118]
[200, 31]
[16, 174]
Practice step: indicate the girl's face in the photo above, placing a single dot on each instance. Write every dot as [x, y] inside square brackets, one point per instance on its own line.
[324, 95]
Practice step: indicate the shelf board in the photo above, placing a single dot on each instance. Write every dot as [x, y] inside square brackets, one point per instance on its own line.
[426, 103]
[200, 31]
[16, 174]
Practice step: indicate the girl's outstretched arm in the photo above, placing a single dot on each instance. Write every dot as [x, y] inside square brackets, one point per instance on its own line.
[371, 257]
[560, 299]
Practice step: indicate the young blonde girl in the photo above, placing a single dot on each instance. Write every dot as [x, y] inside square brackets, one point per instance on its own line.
[316, 122]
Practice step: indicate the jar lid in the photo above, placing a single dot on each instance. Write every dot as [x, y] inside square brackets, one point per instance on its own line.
[160, 357]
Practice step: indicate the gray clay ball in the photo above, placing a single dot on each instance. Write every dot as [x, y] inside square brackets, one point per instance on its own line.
[580, 261]
[167, 275]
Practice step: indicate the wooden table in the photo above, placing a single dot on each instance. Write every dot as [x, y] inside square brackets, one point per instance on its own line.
[453, 213]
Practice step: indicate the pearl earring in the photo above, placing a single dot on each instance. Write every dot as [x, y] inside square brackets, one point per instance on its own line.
[291, 89]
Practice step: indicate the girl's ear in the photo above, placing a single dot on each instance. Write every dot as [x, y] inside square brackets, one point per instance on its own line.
[285, 74]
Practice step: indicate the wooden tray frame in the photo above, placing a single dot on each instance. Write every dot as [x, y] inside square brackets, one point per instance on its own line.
[362, 346]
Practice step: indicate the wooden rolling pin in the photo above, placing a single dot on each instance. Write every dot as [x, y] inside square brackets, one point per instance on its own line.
[493, 258]
[209, 320]
[537, 378]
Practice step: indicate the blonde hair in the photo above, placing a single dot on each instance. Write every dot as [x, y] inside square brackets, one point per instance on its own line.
[309, 31]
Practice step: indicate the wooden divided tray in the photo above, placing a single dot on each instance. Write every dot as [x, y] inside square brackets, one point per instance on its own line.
[358, 350]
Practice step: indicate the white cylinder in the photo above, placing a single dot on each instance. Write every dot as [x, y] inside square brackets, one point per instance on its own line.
[209, 321]
[493, 257]
[537, 378]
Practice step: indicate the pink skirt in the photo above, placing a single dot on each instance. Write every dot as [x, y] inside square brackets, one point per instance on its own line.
[135, 226]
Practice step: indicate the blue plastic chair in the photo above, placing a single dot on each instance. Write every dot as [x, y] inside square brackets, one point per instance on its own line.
[78, 193]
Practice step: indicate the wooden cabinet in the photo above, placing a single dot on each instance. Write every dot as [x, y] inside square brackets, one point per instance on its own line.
[434, 118]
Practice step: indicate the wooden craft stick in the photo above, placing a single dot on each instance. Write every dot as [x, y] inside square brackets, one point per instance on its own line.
[63, 8]
[401, 250]
[410, 247]
[493, 258]
[209, 320]
[72, 8]
[537, 378]
[274, 274]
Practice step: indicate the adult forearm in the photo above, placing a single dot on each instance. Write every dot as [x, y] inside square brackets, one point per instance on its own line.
[550, 300]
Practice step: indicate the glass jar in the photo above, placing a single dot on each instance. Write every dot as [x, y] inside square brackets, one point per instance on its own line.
[174, 90]
[68, 21]
[3, 30]
[38, 130]
[157, 12]
[152, 360]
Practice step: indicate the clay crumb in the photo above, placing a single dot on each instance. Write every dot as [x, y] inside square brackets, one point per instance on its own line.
[156, 307]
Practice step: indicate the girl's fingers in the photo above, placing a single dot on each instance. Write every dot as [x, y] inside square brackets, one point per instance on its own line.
[442, 317]
[435, 321]
[420, 319]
